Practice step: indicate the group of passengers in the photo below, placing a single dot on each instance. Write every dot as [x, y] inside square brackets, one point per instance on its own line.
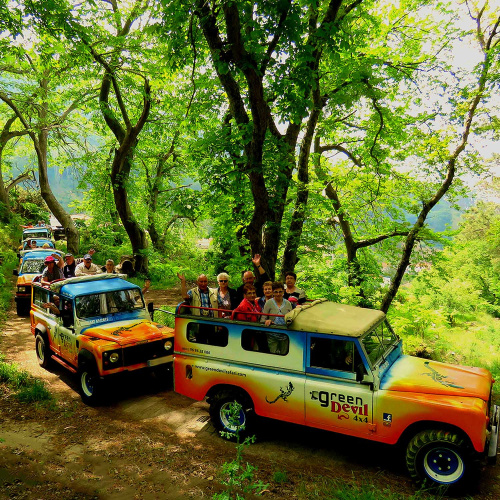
[56, 268]
[257, 299]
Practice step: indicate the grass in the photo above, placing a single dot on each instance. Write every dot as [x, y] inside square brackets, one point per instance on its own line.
[336, 489]
[27, 389]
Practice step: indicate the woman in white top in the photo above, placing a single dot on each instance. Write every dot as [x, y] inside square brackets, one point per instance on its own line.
[276, 305]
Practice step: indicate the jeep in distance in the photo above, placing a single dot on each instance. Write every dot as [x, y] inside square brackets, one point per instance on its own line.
[97, 327]
[31, 265]
[340, 368]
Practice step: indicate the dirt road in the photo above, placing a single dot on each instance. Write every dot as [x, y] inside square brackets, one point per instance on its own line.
[148, 442]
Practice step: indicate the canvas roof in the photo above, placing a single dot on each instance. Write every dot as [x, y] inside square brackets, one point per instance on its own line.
[322, 316]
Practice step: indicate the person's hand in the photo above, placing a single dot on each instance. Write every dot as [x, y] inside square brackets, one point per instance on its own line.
[256, 260]
[348, 359]
[268, 322]
[181, 277]
[91, 251]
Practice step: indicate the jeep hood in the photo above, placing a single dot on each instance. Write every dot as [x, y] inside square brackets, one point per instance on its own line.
[126, 332]
[410, 374]
[25, 279]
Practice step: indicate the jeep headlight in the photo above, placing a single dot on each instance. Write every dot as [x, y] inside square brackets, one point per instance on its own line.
[167, 345]
[23, 289]
[110, 357]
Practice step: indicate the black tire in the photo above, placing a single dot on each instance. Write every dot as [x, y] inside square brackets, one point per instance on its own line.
[440, 458]
[220, 406]
[43, 352]
[90, 384]
[23, 308]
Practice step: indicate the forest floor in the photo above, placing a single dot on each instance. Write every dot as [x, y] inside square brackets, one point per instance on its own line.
[148, 442]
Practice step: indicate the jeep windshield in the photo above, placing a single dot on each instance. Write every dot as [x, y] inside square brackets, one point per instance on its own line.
[101, 304]
[32, 266]
[379, 342]
[35, 234]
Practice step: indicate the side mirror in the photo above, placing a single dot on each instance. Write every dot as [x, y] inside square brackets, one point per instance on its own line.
[15, 272]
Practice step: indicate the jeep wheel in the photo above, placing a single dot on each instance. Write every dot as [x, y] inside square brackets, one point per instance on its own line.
[225, 419]
[439, 458]
[42, 349]
[22, 308]
[90, 384]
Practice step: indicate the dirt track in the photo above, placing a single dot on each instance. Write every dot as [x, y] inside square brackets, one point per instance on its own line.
[149, 442]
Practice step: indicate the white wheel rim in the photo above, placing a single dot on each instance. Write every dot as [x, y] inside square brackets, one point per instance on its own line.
[39, 350]
[443, 465]
[87, 385]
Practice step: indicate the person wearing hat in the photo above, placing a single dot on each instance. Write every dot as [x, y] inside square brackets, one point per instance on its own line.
[71, 263]
[87, 267]
[51, 271]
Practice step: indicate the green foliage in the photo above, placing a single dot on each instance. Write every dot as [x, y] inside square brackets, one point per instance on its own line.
[27, 389]
[9, 240]
[450, 311]
[165, 316]
[29, 205]
[239, 477]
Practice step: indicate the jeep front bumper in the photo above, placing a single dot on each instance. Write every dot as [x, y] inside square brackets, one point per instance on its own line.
[161, 361]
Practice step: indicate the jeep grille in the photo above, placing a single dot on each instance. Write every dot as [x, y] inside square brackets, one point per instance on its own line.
[145, 352]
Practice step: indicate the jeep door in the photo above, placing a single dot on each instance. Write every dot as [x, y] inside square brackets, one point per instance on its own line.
[334, 400]
[274, 382]
[45, 317]
[66, 332]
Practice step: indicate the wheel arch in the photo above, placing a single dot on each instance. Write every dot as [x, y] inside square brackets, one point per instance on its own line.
[416, 427]
[85, 357]
[215, 389]
[41, 329]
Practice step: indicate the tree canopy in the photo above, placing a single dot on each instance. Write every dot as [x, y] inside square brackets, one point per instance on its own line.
[325, 130]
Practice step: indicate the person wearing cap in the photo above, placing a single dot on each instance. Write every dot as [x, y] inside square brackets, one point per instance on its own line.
[51, 271]
[71, 263]
[87, 267]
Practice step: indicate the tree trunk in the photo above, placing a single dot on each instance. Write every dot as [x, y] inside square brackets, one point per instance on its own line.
[5, 136]
[40, 143]
[72, 235]
[299, 213]
[137, 236]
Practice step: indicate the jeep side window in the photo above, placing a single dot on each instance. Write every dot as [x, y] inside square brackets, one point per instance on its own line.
[334, 354]
[67, 312]
[202, 333]
[88, 306]
[40, 296]
[265, 341]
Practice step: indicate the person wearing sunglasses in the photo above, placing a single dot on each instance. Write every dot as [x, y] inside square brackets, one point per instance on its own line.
[87, 267]
[226, 297]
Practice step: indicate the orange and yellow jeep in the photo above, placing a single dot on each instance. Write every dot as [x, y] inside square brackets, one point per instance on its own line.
[97, 327]
[340, 368]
